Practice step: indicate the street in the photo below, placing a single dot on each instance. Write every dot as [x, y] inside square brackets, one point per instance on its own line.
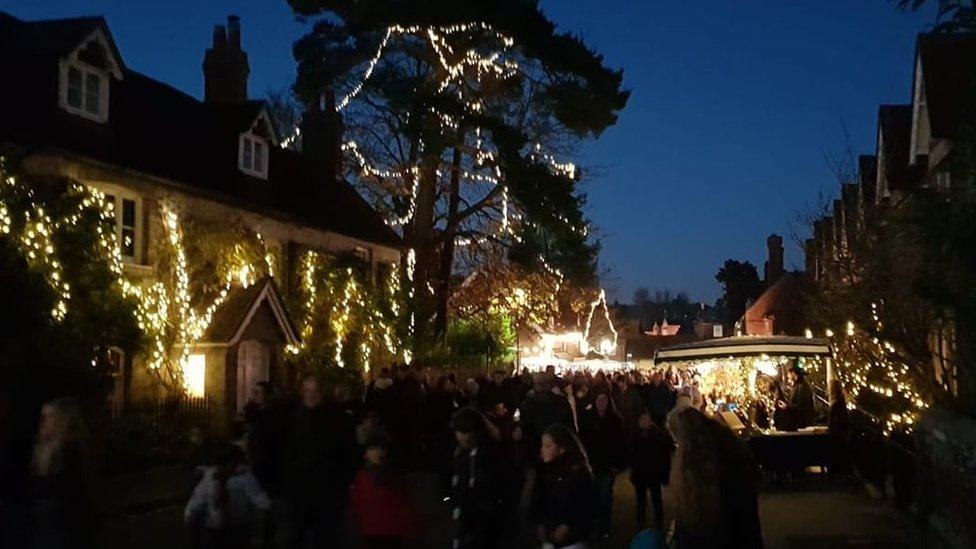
[813, 514]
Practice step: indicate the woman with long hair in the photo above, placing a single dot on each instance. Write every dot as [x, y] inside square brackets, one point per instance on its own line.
[61, 478]
[564, 496]
[714, 481]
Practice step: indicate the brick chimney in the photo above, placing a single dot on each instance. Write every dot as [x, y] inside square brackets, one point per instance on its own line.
[225, 67]
[321, 130]
[774, 265]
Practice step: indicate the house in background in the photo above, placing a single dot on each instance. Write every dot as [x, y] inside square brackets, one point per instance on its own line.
[779, 309]
[72, 108]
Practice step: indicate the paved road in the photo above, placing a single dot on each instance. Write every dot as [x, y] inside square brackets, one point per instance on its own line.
[811, 515]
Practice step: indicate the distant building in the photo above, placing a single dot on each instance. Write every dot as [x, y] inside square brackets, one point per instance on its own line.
[779, 310]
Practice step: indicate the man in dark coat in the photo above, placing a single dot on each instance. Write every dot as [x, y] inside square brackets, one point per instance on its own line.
[319, 462]
[476, 484]
[541, 410]
[660, 398]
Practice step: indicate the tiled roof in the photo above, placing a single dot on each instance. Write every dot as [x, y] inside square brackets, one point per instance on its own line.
[157, 130]
[948, 62]
[230, 317]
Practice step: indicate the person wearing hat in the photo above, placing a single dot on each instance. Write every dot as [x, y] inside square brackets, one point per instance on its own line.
[475, 484]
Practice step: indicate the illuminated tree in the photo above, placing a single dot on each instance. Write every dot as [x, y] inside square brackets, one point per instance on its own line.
[64, 308]
[455, 112]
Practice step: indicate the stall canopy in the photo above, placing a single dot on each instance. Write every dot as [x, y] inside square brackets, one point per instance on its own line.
[784, 346]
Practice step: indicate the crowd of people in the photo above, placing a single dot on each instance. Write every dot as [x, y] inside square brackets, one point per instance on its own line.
[526, 456]
[524, 460]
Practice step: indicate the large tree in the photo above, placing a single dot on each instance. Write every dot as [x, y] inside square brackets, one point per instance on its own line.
[455, 113]
[740, 284]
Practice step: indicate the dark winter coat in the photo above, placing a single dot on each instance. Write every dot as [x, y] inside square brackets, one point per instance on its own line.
[650, 460]
[540, 411]
[660, 399]
[603, 438]
[476, 492]
[264, 429]
[565, 495]
[321, 455]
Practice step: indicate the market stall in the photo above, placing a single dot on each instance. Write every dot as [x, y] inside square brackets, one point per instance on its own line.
[743, 382]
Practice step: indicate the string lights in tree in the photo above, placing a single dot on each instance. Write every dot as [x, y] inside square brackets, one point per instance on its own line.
[873, 369]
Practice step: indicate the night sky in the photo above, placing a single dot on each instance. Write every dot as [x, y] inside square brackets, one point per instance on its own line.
[734, 105]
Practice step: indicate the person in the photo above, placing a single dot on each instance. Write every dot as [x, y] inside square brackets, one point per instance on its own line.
[222, 504]
[650, 465]
[263, 426]
[603, 436]
[801, 409]
[839, 429]
[318, 466]
[506, 440]
[714, 482]
[660, 398]
[61, 479]
[499, 389]
[475, 483]
[379, 396]
[563, 500]
[440, 406]
[631, 403]
[541, 410]
[380, 504]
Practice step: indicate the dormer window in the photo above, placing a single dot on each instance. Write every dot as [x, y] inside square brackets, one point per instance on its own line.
[84, 77]
[86, 92]
[255, 143]
[254, 155]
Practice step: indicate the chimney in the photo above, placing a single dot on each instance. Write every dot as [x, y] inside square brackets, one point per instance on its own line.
[321, 131]
[774, 265]
[225, 67]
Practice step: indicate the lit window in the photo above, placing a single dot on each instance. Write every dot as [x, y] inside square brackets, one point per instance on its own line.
[126, 212]
[195, 375]
[254, 156]
[85, 91]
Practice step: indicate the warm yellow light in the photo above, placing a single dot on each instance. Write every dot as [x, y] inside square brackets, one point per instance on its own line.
[195, 375]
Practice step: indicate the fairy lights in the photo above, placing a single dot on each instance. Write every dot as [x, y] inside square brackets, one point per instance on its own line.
[872, 367]
[600, 300]
[170, 312]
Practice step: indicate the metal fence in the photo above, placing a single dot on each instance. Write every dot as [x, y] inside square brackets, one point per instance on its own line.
[150, 432]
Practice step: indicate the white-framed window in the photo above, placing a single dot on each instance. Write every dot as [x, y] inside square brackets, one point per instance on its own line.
[84, 90]
[253, 158]
[127, 208]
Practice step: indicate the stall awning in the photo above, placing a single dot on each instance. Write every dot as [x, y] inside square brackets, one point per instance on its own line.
[744, 346]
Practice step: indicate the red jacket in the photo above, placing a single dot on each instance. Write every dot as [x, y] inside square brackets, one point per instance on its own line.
[380, 509]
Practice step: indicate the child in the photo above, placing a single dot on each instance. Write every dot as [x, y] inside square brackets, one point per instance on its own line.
[380, 505]
[221, 507]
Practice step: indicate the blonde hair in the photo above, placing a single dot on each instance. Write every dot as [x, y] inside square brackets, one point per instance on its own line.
[49, 452]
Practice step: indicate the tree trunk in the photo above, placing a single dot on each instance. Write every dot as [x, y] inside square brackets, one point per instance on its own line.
[423, 243]
[447, 250]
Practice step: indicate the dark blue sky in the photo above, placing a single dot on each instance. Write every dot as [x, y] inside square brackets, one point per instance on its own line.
[734, 104]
